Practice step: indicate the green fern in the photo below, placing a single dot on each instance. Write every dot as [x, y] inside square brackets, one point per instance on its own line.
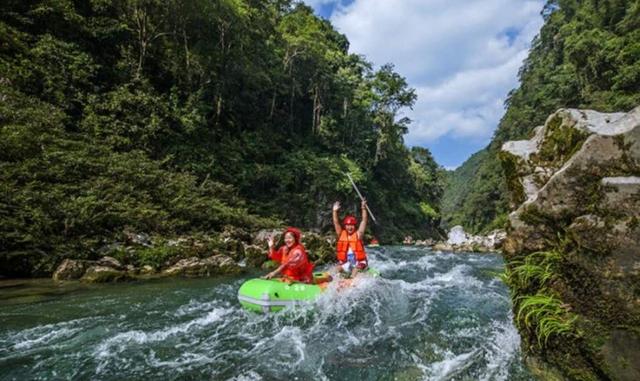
[545, 315]
[537, 269]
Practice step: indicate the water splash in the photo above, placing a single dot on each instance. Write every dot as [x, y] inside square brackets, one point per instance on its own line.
[434, 316]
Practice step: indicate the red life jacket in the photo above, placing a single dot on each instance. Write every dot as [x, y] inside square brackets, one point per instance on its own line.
[301, 271]
[347, 240]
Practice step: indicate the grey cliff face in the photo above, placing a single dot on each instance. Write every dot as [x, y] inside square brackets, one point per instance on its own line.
[575, 188]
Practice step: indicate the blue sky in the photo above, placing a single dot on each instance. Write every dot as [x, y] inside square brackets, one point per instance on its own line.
[461, 56]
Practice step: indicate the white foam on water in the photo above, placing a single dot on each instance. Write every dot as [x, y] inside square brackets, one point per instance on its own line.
[427, 262]
[247, 376]
[388, 265]
[339, 298]
[458, 276]
[195, 306]
[502, 349]
[422, 287]
[46, 338]
[422, 262]
[41, 336]
[452, 365]
[183, 363]
[122, 341]
[468, 333]
[279, 349]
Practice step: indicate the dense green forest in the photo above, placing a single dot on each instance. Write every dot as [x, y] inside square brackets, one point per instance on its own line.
[587, 55]
[174, 118]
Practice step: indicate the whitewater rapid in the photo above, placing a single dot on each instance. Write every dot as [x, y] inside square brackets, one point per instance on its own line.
[431, 316]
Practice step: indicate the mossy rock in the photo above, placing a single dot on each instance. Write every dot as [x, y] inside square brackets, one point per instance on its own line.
[542, 370]
[255, 256]
[103, 274]
[200, 267]
[233, 248]
[511, 165]
[560, 142]
[236, 233]
[319, 249]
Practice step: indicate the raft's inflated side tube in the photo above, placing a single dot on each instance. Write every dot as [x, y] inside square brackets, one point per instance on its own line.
[262, 295]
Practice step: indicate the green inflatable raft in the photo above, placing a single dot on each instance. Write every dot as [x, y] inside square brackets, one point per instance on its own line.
[262, 295]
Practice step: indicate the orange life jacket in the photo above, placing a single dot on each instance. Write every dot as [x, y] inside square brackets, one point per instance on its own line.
[345, 241]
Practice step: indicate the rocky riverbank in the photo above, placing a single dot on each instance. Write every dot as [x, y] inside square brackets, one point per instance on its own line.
[144, 257]
[573, 244]
[460, 241]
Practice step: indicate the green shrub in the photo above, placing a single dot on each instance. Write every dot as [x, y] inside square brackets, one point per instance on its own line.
[157, 256]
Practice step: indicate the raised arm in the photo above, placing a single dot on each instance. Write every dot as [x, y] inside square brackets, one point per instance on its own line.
[365, 219]
[274, 255]
[336, 220]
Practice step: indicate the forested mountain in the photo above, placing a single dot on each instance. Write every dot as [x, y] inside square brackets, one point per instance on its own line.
[587, 55]
[173, 117]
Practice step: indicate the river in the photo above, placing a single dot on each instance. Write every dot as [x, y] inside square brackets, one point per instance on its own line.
[431, 316]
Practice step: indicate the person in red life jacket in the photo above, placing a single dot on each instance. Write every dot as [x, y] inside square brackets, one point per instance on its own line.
[350, 249]
[293, 259]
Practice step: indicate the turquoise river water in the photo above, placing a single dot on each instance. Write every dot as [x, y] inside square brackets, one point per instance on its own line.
[431, 316]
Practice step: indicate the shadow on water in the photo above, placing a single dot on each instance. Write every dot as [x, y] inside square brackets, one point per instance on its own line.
[432, 316]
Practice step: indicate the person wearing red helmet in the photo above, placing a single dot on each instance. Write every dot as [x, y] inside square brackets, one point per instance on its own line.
[349, 248]
[293, 259]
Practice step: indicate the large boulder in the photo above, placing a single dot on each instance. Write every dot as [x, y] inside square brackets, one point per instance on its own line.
[576, 191]
[199, 267]
[71, 269]
[457, 236]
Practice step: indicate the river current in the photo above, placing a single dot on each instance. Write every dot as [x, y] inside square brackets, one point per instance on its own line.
[431, 316]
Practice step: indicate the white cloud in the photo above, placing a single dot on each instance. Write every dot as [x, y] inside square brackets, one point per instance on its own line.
[462, 56]
[316, 3]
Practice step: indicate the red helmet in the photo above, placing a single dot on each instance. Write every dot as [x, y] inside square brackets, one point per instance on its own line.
[295, 232]
[349, 220]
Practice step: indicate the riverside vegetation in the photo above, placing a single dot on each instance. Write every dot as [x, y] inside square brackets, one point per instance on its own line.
[183, 119]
